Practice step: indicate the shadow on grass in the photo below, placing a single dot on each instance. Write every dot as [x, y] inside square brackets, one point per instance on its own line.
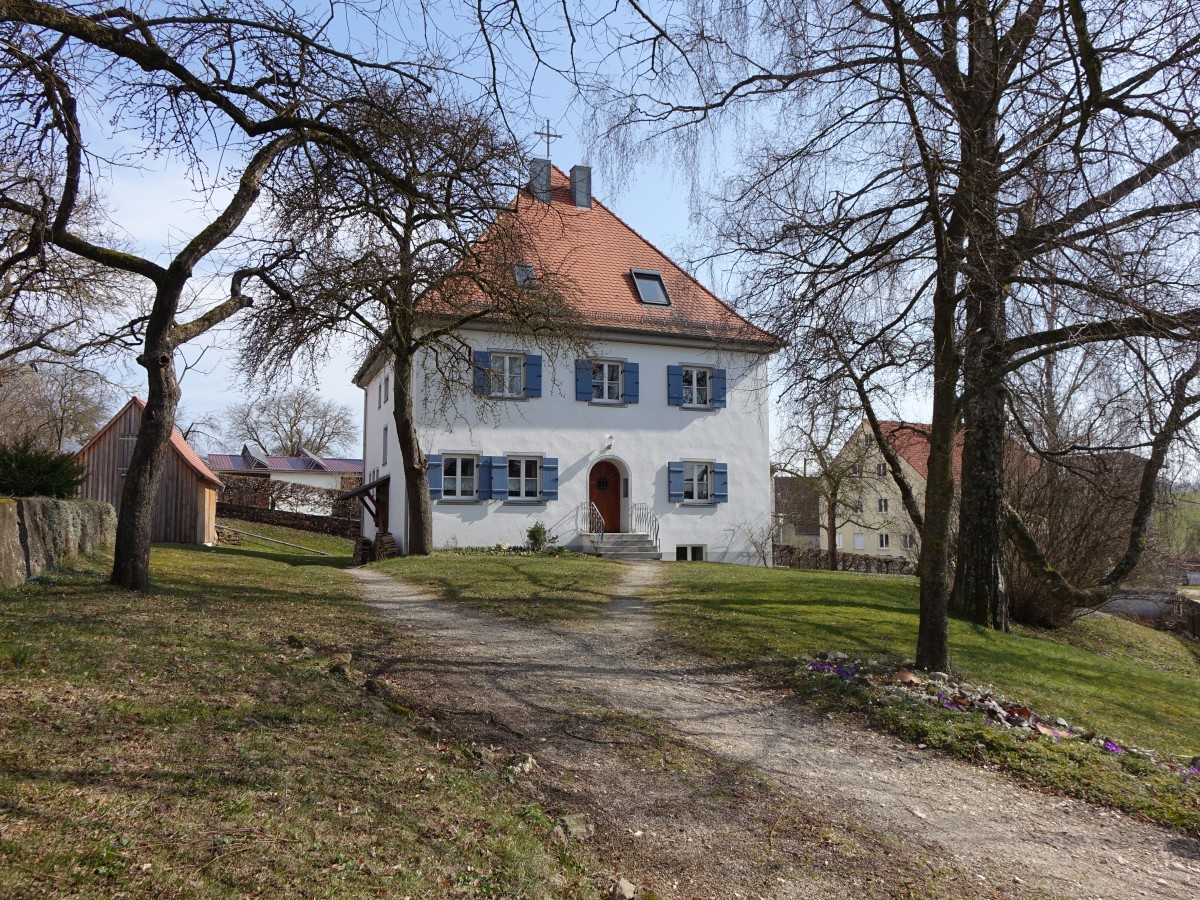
[290, 558]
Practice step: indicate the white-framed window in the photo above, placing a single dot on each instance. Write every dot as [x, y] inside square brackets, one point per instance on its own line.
[866, 438]
[838, 541]
[387, 380]
[909, 541]
[606, 382]
[696, 386]
[697, 482]
[689, 553]
[858, 507]
[383, 460]
[882, 504]
[524, 478]
[507, 375]
[856, 472]
[860, 541]
[881, 470]
[885, 540]
[379, 395]
[459, 474]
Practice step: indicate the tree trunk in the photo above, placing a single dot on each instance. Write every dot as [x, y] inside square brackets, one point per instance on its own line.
[416, 468]
[977, 592]
[933, 560]
[131, 556]
[831, 553]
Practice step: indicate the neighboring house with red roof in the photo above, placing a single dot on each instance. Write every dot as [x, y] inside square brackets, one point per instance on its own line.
[656, 444]
[186, 509]
[874, 520]
[307, 469]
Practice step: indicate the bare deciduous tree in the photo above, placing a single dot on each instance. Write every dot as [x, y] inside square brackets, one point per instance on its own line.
[54, 405]
[283, 423]
[233, 91]
[914, 173]
[404, 273]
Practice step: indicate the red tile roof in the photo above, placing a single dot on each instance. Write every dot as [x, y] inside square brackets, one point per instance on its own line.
[911, 441]
[178, 443]
[596, 250]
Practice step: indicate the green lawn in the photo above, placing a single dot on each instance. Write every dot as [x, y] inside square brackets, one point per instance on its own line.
[1122, 680]
[546, 589]
[1126, 682]
[211, 739]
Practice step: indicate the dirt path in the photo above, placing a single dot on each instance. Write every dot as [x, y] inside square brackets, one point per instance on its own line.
[704, 784]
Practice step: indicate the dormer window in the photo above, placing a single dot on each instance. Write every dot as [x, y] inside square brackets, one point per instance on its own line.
[650, 286]
[525, 274]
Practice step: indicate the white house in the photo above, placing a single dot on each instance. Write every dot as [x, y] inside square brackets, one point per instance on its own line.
[655, 444]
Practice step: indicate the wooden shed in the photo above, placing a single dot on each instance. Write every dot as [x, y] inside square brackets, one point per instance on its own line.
[186, 509]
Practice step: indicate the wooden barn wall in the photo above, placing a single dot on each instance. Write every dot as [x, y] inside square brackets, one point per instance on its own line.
[178, 512]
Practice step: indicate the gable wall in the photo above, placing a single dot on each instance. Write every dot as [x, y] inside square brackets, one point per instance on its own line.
[179, 512]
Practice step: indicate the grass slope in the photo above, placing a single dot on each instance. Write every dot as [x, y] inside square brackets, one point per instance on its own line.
[1127, 682]
[545, 589]
[1121, 679]
[178, 744]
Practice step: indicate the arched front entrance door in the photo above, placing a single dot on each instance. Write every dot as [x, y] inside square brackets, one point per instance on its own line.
[604, 490]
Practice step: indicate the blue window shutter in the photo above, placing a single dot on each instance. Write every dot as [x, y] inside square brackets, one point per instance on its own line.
[549, 478]
[483, 365]
[533, 375]
[718, 388]
[499, 479]
[631, 383]
[675, 386]
[721, 482]
[435, 475]
[483, 478]
[675, 482]
[583, 380]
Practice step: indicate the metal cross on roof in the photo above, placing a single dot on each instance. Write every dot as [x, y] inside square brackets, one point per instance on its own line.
[547, 134]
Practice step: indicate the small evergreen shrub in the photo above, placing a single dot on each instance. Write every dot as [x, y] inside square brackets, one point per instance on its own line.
[538, 537]
[27, 470]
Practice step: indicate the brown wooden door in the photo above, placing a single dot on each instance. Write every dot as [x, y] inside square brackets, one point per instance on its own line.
[604, 490]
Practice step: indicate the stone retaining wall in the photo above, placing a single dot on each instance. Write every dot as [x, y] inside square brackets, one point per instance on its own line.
[342, 527]
[37, 533]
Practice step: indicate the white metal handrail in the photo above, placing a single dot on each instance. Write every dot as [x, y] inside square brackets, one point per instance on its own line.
[643, 521]
[590, 521]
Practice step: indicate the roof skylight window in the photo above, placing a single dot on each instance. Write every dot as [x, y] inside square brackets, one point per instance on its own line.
[525, 274]
[650, 287]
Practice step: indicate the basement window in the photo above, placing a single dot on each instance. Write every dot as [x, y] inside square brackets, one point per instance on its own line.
[689, 553]
[650, 287]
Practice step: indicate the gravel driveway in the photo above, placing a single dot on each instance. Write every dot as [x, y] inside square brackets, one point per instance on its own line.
[899, 816]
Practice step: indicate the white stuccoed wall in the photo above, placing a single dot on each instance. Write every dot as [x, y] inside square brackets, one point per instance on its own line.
[646, 436]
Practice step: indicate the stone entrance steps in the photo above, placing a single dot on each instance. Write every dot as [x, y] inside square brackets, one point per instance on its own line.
[621, 546]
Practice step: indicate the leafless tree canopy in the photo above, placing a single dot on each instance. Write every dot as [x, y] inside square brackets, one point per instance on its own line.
[282, 423]
[54, 405]
[934, 195]
[233, 92]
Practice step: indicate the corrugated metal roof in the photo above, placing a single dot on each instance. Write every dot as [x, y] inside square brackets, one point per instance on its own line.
[235, 462]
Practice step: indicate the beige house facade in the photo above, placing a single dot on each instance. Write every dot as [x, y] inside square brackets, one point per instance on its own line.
[870, 516]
